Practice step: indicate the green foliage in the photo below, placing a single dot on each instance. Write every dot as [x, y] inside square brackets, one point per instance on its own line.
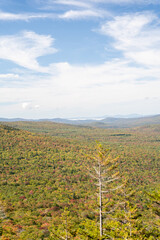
[88, 229]
[154, 206]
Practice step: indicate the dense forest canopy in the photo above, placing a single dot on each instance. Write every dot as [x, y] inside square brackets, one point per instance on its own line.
[46, 191]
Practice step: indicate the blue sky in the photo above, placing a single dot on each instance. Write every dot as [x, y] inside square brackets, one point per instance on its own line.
[72, 58]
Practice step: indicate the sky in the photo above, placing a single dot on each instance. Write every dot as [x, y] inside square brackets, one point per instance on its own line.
[79, 58]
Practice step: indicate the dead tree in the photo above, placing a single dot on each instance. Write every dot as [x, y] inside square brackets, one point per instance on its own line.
[106, 177]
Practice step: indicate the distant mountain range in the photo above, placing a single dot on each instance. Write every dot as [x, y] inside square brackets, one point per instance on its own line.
[108, 122]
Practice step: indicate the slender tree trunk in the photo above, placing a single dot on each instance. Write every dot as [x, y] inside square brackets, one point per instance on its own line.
[100, 203]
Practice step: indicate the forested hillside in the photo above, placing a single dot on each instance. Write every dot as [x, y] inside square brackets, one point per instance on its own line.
[48, 191]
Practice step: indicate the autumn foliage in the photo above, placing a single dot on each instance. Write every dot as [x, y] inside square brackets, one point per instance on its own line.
[46, 191]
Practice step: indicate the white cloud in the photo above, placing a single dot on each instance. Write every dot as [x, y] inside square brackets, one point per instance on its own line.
[89, 3]
[9, 76]
[6, 16]
[25, 105]
[29, 106]
[137, 36]
[36, 106]
[24, 49]
[72, 14]
[76, 9]
[75, 3]
[126, 1]
[80, 9]
[115, 72]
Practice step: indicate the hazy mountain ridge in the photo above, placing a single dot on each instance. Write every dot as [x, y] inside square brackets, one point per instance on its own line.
[105, 123]
[128, 122]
